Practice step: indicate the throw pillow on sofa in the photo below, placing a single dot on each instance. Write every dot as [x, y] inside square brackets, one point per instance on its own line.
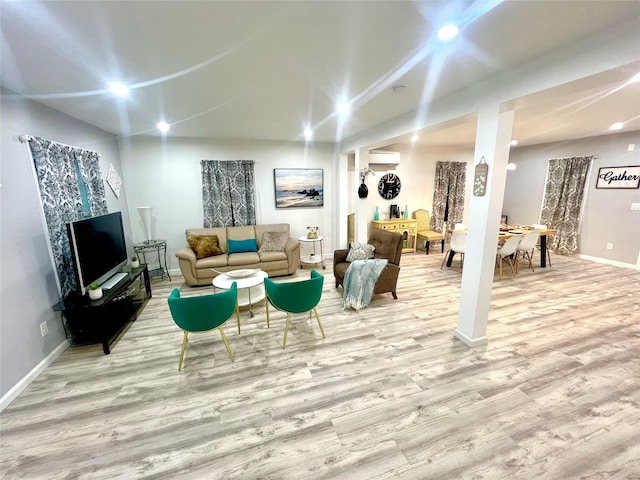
[204, 245]
[273, 241]
[239, 246]
[360, 251]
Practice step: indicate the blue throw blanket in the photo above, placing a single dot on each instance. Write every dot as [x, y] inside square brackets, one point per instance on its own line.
[359, 281]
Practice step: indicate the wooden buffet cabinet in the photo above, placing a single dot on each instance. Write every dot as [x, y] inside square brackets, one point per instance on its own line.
[407, 227]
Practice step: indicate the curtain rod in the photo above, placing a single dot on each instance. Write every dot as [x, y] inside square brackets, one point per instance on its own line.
[26, 138]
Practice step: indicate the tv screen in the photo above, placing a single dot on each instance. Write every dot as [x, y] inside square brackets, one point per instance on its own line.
[98, 248]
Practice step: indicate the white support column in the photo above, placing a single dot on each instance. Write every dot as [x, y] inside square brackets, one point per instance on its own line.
[493, 136]
[344, 203]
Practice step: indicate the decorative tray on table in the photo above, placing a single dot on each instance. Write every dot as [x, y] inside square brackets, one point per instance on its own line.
[243, 273]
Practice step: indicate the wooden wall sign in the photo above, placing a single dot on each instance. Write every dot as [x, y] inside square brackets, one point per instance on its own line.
[619, 177]
[480, 178]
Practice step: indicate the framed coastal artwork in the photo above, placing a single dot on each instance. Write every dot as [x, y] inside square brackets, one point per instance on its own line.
[299, 187]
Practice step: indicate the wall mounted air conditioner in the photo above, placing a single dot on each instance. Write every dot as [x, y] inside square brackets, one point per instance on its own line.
[383, 157]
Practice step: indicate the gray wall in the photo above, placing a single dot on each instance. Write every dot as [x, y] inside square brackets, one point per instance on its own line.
[607, 216]
[27, 278]
[165, 173]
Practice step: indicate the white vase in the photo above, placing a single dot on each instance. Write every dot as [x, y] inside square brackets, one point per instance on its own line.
[95, 294]
[145, 215]
[135, 263]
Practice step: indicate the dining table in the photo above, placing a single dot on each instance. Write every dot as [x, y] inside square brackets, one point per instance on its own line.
[506, 233]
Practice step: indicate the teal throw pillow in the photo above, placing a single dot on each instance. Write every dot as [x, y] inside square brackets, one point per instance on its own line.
[239, 246]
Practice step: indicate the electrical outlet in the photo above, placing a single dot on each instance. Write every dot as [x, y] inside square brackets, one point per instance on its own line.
[44, 328]
[609, 246]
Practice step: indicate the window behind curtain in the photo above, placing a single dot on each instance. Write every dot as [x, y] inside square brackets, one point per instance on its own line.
[448, 195]
[71, 188]
[228, 193]
[562, 203]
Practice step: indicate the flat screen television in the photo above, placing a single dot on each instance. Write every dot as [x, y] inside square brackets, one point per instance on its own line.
[98, 248]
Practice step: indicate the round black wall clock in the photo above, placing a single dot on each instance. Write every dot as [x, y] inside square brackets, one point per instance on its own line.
[389, 186]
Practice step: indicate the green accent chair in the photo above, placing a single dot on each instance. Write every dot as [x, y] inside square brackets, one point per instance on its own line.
[294, 297]
[203, 313]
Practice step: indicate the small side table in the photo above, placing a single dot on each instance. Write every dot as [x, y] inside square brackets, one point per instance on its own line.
[313, 257]
[156, 246]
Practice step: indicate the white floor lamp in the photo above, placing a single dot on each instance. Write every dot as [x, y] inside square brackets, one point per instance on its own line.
[145, 215]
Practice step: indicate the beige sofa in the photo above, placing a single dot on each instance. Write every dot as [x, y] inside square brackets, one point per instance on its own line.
[198, 271]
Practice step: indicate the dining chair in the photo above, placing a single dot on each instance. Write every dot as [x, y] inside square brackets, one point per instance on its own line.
[525, 249]
[505, 253]
[203, 313]
[457, 244]
[424, 232]
[294, 297]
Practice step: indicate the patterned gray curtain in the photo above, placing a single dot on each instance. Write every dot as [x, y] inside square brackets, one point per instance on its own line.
[562, 203]
[228, 193]
[71, 188]
[448, 194]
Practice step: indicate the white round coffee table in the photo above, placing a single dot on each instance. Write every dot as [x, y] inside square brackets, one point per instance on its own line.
[250, 288]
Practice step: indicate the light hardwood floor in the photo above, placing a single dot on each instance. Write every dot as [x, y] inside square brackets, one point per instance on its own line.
[390, 393]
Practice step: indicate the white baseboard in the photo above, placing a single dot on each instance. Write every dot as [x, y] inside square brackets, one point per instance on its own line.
[609, 262]
[19, 387]
[470, 342]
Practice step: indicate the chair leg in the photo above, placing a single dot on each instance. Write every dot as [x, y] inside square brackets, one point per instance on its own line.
[185, 339]
[266, 305]
[442, 247]
[530, 258]
[226, 344]
[286, 330]
[426, 247]
[444, 259]
[238, 316]
[511, 264]
[393, 294]
[500, 267]
[319, 324]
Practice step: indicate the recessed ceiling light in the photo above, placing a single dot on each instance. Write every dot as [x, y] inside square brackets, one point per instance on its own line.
[119, 89]
[343, 107]
[414, 138]
[616, 126]
[163, 127]
[308, 134]
[447, 32]
[513, 143]
[511, 166]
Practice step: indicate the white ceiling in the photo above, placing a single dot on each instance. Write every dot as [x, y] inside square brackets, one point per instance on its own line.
[264, 70]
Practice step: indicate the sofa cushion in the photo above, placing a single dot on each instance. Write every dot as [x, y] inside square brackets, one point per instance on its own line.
[244, 260]
[212, 262]
[360, 251]
[242, 232]
[204, 245]
[272, 256]
[273, 241]
[239, 246]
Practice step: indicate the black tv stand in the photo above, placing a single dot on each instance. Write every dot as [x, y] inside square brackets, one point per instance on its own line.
[102, 321]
